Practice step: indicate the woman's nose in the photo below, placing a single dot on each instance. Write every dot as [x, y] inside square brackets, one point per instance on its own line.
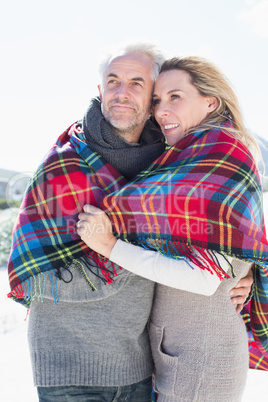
[161, 111]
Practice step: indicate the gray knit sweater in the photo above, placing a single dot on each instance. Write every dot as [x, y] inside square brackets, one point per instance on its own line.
[92, 338]
[199, 344]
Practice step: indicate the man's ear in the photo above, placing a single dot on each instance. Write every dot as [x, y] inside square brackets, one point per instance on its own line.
[213, 103]
[100, 95]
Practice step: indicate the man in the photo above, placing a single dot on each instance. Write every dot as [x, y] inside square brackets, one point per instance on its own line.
[94, 345]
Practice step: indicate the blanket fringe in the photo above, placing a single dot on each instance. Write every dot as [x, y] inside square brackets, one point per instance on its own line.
[205, 259]
[34, 288]
[102, 263]
[78, 264]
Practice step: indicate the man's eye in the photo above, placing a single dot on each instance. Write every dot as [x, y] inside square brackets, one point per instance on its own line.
[137, 83]
[112, 82]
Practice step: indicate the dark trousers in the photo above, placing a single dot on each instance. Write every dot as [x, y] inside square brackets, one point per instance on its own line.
[139, 392]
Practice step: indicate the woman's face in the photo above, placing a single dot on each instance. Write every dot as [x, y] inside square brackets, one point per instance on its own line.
[177, 104]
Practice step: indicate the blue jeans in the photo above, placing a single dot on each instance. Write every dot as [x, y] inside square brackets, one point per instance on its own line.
[139, 392]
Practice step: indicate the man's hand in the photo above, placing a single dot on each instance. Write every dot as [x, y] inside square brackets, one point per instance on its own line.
[240, 293]
[95, 229]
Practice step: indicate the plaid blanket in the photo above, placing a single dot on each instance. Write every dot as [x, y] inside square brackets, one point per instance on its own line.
[44, 237]
[257, 359]
[202, 194]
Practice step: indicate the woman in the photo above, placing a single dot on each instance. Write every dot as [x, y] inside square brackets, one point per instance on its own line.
[206, 185]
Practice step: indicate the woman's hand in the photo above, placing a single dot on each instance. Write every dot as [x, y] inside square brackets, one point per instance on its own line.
[95, 229]
[241, 292]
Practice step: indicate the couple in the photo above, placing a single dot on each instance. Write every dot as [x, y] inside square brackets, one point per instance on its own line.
[89, 340]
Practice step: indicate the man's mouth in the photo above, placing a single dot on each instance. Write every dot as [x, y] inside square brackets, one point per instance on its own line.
[116, 104]
[120, 106]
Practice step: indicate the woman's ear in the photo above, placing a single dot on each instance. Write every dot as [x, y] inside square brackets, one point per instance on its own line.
[213, 103]
[100, 95]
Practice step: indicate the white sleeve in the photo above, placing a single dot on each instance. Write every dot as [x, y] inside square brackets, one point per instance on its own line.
[158, 268]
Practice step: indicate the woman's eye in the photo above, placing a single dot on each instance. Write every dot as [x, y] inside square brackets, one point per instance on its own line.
[174, 96]
[155, 102]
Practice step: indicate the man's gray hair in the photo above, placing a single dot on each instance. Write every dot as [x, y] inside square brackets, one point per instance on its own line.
[144, 49]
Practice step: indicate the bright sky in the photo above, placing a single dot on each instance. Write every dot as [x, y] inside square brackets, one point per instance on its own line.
[50, 51]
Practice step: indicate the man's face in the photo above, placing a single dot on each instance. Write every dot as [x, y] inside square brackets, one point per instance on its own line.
[126, 94]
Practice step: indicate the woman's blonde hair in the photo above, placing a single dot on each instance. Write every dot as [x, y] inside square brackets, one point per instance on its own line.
[210, 81]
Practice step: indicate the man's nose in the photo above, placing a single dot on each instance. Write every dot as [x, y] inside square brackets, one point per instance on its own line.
[122, 91]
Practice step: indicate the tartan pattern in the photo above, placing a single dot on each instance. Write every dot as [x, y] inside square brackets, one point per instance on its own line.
[202, 194]
[257, 360]
[44, 237]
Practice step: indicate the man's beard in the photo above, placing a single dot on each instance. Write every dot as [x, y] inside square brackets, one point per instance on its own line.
[122, 123]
